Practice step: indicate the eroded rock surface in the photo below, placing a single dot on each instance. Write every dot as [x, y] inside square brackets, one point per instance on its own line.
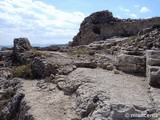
[20, 53]
[21, 45]
[41, 68]
[102, 25]
[87, 94]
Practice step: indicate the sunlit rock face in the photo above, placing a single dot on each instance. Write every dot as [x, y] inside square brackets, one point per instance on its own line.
[102, 25]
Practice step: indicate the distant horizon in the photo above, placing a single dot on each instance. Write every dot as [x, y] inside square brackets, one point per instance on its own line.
[54, 21]
[34, 45]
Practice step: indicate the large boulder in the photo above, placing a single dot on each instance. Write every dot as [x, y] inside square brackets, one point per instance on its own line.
[102, 25]
[41, 68]
[21, 45]
[21, 54]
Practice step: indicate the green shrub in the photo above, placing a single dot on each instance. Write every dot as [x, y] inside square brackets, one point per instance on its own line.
[130, 39]
[23, 71]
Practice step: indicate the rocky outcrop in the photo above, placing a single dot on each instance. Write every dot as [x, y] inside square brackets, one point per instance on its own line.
[24, 115]
[102, 25]
[5, 58]
[146, 40]
[9, 97]
[153, 67]
[20, 53]
[21, 45]
[10, 111]
[105, 101]
[41, 68]
[65, 70]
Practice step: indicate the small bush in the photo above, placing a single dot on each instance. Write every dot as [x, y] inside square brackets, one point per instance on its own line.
[92, 53]
[37, 53]
[82, 51]
[130, 39]
[99, 47]
[156, 26]
[23, 71]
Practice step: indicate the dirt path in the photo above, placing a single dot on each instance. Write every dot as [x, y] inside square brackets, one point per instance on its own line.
[46, 104]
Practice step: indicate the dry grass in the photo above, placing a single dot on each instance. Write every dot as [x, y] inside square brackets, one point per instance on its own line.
[82, 52]
[23, 71]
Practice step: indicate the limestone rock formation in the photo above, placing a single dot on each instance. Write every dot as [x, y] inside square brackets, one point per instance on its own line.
[5, 56]
[147, 39]
[102, 25]
[9, 111]
[41, 68]
[9, 97]
[21, 45]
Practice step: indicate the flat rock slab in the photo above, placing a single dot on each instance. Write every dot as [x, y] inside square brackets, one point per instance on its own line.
[120, 88]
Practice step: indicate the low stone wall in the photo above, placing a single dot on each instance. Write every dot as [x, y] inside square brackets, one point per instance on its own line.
[153, 67]
[131, 63]
[149, 64]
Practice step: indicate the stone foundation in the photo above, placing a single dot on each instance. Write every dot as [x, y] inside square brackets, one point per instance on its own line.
[153, 67]
[131, 63]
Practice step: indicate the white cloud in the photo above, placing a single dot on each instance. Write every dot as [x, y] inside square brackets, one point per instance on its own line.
[144, 10]
[133, 15]
[37, 21]
[124, 9]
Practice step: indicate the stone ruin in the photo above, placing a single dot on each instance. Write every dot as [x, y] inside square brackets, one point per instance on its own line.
[153, 67]
[103, 25]
[148, 64]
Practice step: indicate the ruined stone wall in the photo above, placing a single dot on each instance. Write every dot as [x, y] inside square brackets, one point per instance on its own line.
[153, 67]
[102, 25]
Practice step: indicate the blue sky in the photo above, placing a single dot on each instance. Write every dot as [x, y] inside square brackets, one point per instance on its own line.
[58, 21]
